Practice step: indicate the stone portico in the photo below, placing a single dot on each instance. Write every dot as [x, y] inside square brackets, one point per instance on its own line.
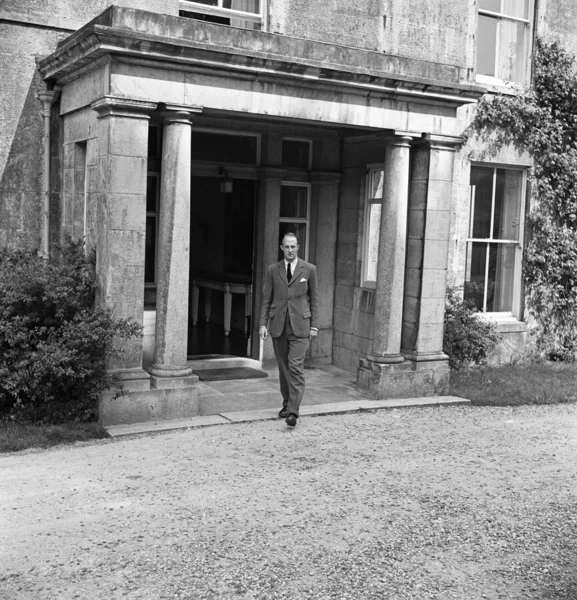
[129, 69]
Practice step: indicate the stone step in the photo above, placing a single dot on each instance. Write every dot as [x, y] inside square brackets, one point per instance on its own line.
[248, 416]
[221, 361]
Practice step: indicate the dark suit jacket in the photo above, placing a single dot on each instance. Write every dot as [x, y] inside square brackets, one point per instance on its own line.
[299, 297]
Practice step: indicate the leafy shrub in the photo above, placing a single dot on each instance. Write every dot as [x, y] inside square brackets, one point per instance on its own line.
[468, 338]
[54, 343]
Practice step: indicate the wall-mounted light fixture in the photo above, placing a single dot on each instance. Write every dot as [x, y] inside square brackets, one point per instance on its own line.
[225, 181]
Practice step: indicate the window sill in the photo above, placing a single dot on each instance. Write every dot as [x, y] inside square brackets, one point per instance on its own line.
[506, 323]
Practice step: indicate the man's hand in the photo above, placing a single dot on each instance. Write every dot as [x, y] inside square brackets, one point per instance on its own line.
[313, 333]
[263, 332]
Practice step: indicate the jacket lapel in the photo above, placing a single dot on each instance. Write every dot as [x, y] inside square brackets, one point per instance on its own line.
[282, 271]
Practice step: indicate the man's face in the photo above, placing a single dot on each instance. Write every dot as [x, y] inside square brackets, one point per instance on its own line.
[289, 248]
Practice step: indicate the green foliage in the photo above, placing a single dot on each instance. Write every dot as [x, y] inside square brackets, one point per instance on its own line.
[54, 344]
[543, 123]
[468, 338]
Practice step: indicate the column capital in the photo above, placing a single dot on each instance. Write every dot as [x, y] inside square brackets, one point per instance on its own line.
[271, 173]
[402, 139]
[48, 98]
[115, 106]
[178, 113]
[449, 143]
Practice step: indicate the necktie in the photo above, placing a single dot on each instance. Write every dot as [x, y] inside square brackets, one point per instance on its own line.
[288, 272]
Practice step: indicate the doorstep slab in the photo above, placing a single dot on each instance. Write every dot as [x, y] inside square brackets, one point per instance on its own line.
[414, 402]
[246, 416]
[134, 428]
[249, 416]
[329, 408]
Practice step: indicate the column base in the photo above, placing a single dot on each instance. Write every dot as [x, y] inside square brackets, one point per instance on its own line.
[425, 356]
[386, 359]
[159, 371]
[409, 379]
[133, 380]
[164, 383]
[150, 398]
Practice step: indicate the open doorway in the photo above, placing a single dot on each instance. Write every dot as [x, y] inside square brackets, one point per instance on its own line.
[222, 227]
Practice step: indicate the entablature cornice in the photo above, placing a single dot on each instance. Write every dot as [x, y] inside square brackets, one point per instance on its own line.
[180, 45]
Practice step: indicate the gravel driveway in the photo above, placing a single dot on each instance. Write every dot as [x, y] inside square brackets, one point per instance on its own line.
[445, 503]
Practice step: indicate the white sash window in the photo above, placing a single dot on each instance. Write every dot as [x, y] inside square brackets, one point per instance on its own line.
[495, 241]
[247, 14]
[503, 46]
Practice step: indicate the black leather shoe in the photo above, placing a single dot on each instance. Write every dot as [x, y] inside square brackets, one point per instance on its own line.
[291, 420]
[283, 412]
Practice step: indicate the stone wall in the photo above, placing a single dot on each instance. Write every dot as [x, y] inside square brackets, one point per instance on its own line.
[434, 31]
[354, 306]
[22, 128]
[557, 20]
[31, 29]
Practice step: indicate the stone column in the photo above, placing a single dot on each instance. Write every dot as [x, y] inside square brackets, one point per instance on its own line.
[267, 243]
[122, 137]
[427, 256]
[170, 358]
[391, 262]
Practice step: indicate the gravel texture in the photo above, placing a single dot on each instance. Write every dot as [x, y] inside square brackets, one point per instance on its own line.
[433, 503]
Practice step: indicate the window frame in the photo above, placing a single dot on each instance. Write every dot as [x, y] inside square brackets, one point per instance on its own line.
[368, 202]
[516, 304]
[309, 141]
[231, 132]
[499, 16]
[228, 13]
[306, 220]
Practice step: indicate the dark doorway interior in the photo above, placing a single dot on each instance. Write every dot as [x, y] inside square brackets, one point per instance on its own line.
[221, 255]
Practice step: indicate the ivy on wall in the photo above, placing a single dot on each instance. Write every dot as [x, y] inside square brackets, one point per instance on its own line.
[542, 122]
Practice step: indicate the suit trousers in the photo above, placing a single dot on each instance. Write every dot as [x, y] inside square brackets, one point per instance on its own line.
[290, 352]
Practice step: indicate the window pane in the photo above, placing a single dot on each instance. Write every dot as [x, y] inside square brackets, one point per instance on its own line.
[300, 230]
[293, 201]
[498, 275]
[507, 204]
[223, 148]
[376, 180]
[516, 8]
[151, 193]
[501, 277]
[150, 250]
[482, 179]
[373, 231]
[207, 2]
[475, 278]
[513, 8]
[295, 153]
[511, 60]
[251, 6]
[492, 5]
[486, 45]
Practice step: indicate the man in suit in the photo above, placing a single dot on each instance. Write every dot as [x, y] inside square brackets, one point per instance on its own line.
[290, 306]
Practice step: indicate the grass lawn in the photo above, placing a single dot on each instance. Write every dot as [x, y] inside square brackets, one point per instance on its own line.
[513, 385]
[21, 436]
